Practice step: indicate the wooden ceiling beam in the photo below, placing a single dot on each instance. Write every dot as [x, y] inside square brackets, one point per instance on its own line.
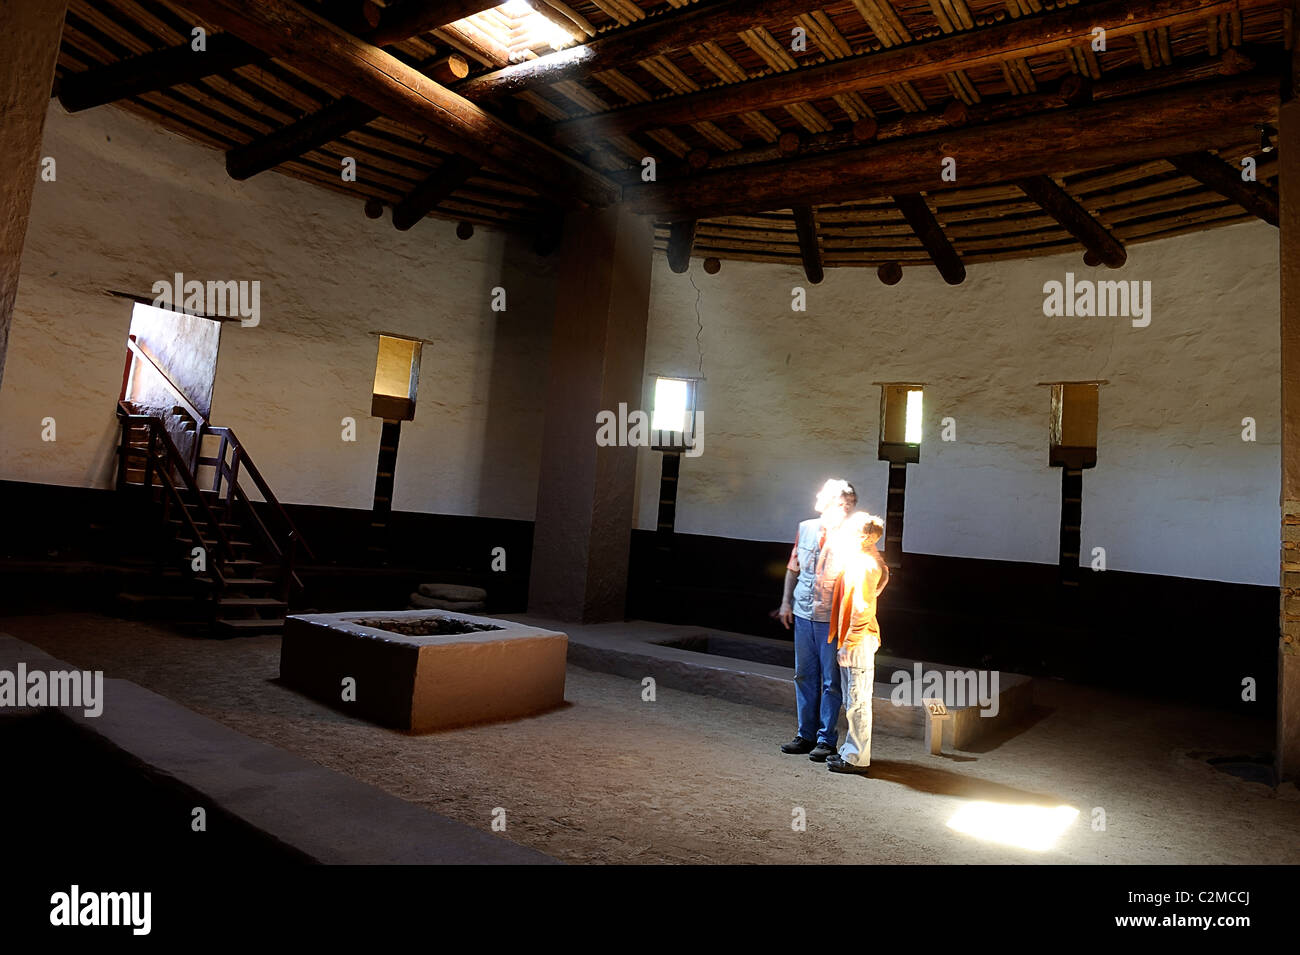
[1034, 36]
[681, 237]
[1119, 84]
[1074, 219]
[656, 35]
[154, 71]
[1257, 198]
[359, 69]
[407, 18]
[178, 65]
[1136, 129]
[810, 253]
[311, 132]
[930, 233]
[330, 122]
[424, 198]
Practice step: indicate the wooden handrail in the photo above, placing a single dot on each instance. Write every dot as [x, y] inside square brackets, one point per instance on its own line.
[172, 456]
[246, 462]
[219, 464]
[136, 348]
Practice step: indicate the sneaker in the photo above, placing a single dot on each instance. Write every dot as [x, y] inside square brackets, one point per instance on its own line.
[820, 752]
[837, 765]
[797, 745]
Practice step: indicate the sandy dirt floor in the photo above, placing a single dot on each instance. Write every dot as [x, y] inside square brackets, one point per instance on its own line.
[687, 778]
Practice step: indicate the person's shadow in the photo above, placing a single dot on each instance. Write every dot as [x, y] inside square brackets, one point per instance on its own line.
[943, 782]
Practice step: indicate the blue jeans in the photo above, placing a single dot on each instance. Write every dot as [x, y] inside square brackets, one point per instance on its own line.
[817, 690]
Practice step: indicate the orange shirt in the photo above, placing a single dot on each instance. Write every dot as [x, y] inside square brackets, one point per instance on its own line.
[853, 603]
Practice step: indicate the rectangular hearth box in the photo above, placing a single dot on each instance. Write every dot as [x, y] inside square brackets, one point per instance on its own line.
[424, 683]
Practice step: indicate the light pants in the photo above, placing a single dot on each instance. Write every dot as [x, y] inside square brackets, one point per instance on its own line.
[857, 683]
[816, 682]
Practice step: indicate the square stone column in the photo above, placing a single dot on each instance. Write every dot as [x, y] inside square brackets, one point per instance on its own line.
[585, 494]
[30, 31]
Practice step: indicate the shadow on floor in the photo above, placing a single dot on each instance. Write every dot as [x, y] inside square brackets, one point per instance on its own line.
[997, 736]
[942, 782]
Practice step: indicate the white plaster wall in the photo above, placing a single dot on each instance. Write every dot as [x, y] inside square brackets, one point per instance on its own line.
[789, 400]
[133, 204]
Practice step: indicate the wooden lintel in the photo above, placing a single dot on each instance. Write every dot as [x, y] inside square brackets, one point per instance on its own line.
[805, 227]
[681, 237]
[922, 222]
[1257, 198]
[1074, 219]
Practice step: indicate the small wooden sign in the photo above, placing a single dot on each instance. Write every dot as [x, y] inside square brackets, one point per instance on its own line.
[936, 707]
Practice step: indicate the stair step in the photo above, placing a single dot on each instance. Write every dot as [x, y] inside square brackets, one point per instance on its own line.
[252, 624]
[224, 526]
[265, 602]
[204, 527]
[186, 539]
[248, 583]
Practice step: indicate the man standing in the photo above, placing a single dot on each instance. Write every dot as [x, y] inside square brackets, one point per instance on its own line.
[806, 602]
[855, 634]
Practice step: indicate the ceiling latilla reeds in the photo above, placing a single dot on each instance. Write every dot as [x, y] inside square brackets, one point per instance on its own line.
[719, 93]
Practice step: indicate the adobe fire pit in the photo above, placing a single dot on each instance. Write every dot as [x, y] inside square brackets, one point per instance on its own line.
[423, 670]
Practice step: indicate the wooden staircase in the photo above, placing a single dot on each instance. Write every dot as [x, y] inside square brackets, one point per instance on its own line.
[238, 559]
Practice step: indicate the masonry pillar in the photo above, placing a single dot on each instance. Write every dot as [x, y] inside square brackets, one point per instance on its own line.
[1288, 662]
[29, 46]
[585, 494]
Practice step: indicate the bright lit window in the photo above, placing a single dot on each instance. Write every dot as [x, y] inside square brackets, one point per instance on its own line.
[397, 378]
[672, 396]
[397, 368]
[900, 422]
[521, 29]
[912, 434]
[900, 414]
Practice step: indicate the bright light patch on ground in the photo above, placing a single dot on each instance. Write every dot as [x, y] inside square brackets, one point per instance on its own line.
[670, 405]
[1023, 827]
[912, 434]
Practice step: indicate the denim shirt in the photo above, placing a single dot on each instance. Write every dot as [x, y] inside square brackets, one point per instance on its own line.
[809, 600]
